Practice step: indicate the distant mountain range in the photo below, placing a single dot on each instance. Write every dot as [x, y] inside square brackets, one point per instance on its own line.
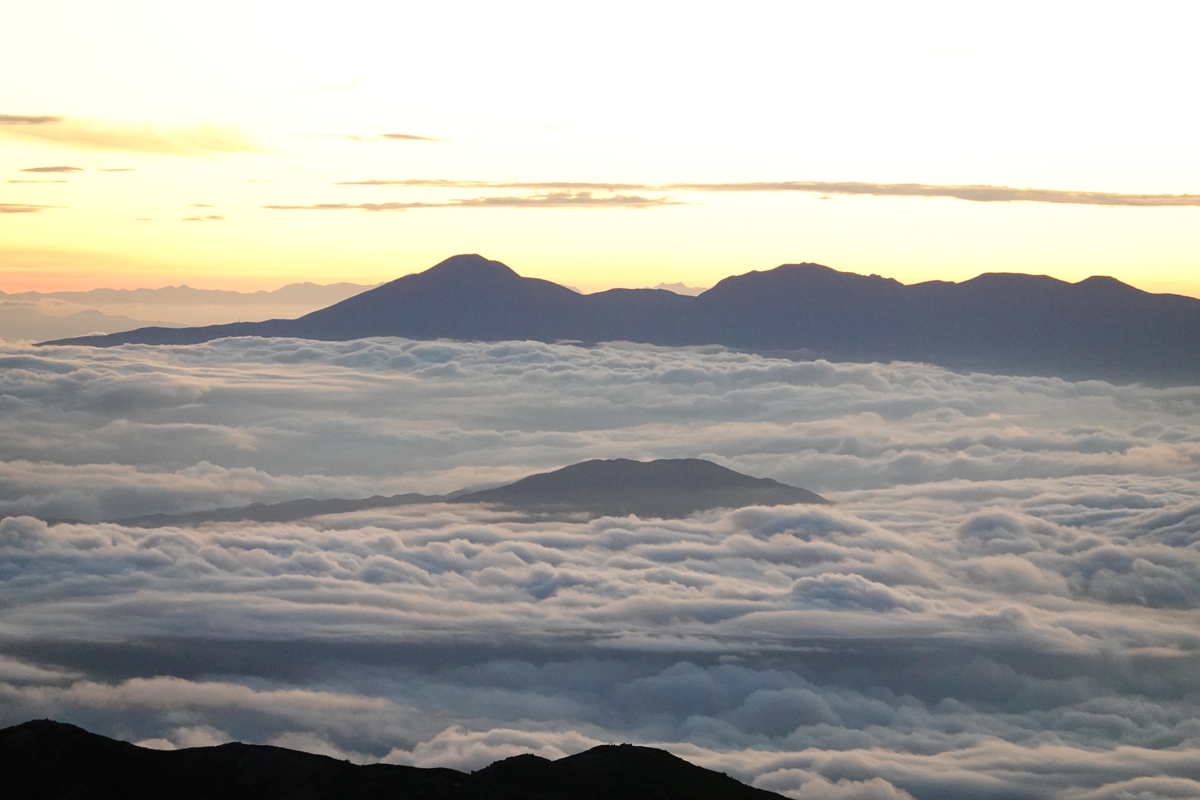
[22, 320]
[999, 322]
[666, 488]
[37, 316]
[680, 288]
[47, 760]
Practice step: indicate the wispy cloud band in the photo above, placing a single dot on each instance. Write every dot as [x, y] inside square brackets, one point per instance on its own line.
[562, 199]
[383, 137]
[53, 169]
[21, 119]
[22, 208]
[980, 193]
[85, 134]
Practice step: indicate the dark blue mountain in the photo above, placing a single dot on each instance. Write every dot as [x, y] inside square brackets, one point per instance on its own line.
[999, 322]
[665, 488]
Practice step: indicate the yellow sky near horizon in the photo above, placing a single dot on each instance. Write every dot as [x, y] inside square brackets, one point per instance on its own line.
[248, 145]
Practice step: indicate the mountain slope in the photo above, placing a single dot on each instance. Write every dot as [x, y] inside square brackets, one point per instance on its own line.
[1009, 323]
[47, 760]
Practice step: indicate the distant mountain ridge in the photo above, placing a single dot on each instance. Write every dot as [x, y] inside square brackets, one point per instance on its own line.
[997, 322]
[37, 316]
[23, 320]
[47, 760]
[291, 293]
[667, 488]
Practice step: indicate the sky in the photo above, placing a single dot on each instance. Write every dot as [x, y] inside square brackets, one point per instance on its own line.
[253, 144]
[1001, 602]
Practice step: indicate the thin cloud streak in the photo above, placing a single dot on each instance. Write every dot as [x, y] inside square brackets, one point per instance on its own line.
[85, 134]
[408, 137]
[53, 169]
[383, 137]
[22, 208]
[564, 199]
[979, 193]
[438, 183]
[17, 119]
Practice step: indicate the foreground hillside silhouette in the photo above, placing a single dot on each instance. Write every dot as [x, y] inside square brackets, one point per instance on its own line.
[667, 488]
[1011, 323]
[47, 760]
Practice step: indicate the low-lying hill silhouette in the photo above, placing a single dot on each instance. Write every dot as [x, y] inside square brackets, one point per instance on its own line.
[1013, 323]
[47, 760]
[667, 488]
[664, 488]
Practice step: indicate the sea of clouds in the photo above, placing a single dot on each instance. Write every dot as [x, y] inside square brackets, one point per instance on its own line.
[1002, 602]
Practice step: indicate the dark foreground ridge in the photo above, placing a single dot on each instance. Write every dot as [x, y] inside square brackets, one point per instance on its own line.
[998, 322]
[666, 488]
[47, 760]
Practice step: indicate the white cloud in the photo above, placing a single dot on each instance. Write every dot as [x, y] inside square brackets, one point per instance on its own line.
[1000, 603]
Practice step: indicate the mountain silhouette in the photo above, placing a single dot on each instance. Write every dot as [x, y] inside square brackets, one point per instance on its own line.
[47, 760]
[666, 488]
[997, 322]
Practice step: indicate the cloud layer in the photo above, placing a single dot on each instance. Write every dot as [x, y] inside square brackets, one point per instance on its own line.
[1001, 604]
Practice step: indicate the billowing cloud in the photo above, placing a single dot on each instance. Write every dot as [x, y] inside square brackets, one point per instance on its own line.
[85, 134]
[563, 199]
[53, 169]
[1000, 604]
[975, 193]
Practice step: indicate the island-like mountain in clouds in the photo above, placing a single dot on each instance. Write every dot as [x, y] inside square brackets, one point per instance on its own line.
[666, 488]
[1009, 323]
[47, 760]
